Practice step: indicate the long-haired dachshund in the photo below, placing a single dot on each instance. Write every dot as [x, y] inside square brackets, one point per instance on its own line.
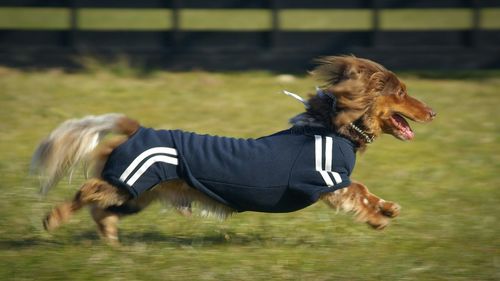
[284, 172]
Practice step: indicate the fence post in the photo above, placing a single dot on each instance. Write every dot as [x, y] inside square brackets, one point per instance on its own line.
[476, 22]
[73, 23]
[275, 23]
[375, 23]
[175, 24]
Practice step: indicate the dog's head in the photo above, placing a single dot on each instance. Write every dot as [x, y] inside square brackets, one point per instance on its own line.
[369, 100]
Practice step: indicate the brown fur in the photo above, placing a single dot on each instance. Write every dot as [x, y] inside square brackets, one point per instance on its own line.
[368, 207]
[367, 95]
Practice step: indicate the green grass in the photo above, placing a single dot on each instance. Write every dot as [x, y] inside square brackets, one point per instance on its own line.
[35, 18]
[127, 19]
[227, 19]
[326, 19]
[490, 19]
[446, 180]
[246, 19]
[425, 19]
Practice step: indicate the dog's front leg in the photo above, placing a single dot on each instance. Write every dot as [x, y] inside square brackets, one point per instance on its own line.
[106, 224]
[93, 191]
[367, 207]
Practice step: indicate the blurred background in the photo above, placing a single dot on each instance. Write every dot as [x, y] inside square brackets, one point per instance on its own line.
[280, 35]
[219, 67]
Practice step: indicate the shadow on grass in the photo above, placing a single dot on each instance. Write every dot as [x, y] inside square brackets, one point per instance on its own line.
[90, 237]
[28, 243]
[216, 239]
[150, 236]
[188, 240]
[131, 238]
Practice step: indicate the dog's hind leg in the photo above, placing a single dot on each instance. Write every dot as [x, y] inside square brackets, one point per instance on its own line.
[367, 206]
[107, 218]
[61, 214]
[94, 191]
[106, 224]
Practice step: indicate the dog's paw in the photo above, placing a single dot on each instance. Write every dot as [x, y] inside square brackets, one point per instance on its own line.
[57, 216]
[379, 223]
[389, 209]
[50, 223]
[382, 214]
[185, 211]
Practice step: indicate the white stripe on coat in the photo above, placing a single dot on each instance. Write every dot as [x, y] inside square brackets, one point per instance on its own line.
[328, 153]
[144, 155]
[329, 160]
[327, 171]
[336, 177]
[318, 148]
[148, 163]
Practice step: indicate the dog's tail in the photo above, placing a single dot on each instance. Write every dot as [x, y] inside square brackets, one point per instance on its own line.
[72, 143]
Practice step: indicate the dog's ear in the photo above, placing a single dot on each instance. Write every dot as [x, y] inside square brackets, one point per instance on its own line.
[384, 82]
[378, 81]
[336, 69]
[352, 101]
[332, 70]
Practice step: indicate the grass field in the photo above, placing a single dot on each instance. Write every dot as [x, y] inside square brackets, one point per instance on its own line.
[247, 19]
[447, 181]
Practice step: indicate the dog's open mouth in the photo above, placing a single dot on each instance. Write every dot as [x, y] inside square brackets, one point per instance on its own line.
[403, 128]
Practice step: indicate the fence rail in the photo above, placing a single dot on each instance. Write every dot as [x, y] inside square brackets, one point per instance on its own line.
[274, 48]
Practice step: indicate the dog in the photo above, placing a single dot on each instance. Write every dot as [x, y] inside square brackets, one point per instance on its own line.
[312, 161]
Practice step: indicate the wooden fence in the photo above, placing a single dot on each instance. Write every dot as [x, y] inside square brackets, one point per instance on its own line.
[274, 48]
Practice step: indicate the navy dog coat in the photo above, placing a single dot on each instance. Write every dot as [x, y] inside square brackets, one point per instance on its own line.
[283, 172]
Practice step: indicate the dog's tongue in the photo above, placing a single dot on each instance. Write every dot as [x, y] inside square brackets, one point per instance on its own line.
[403, 126]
